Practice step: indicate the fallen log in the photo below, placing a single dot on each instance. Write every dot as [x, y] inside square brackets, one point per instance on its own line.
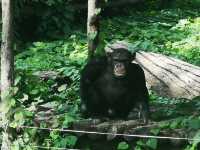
[170, 77]
[131, 130]
[167, 76]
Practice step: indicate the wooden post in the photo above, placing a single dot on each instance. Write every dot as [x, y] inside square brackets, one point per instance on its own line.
[92, 26]
[7, 64]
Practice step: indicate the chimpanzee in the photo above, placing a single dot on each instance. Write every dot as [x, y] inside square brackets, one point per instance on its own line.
[112, 86]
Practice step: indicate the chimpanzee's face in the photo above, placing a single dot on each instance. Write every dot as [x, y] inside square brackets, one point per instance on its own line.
[120, 60]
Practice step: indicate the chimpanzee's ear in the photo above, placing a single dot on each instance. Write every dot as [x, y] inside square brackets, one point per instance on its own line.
[109, 56]
[108, 51]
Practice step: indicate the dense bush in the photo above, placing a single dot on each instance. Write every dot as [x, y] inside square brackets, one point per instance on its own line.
[169, 31]
[37, 19]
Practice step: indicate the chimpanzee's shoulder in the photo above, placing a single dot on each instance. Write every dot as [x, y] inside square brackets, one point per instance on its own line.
[136, 67]
[94, 66]
[98, 60]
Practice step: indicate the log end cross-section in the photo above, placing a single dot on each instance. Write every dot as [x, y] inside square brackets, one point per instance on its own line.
[170, 77]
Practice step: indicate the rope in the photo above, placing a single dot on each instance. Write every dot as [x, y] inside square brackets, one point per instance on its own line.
[55, 148]
[113, 134]
[46, 147]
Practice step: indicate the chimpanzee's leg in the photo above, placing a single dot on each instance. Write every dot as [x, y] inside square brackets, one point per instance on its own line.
[144, 112]
[92, 104]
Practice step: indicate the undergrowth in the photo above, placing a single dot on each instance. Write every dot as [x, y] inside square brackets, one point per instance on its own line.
[174, 32]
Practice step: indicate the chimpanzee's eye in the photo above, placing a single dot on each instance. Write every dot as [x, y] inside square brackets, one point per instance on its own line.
[116, 60]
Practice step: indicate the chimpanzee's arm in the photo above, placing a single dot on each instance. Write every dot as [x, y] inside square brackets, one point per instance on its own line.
[139, 84]
[93, 70]
[138, 78]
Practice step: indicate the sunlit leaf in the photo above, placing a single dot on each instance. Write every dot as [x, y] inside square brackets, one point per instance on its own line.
[122, 146]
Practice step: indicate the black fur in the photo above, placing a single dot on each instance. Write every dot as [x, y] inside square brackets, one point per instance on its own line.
[104, 94]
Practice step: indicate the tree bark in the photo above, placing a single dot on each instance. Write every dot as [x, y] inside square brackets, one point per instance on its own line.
[170, 77]
[92, 26]
[7, 63]
[123, 128]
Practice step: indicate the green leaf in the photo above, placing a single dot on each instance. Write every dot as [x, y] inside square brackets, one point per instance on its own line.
[194, 123]
[25, 98]
[71, 140]
[18, 116]
[122, 146]
[97, 11]
[152, 143]
[164, 124]
[12, 102]
[155, 131]
[18, 119]
[68, 120]
[175, 124]
[54, 135]
[17, 80]
[13, 124]
[62, 87]
[34, 92]
[138, 147]
[15, 90]
[196, 142]
[15, 146]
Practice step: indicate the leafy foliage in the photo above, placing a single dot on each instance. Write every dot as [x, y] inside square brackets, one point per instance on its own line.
[38, 19]
[54, 103]
[171, 31]
[57, 94]
[122, 146]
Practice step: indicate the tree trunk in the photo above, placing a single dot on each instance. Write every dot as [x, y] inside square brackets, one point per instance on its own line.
[170, 77]
[7, 64]
[92, 26]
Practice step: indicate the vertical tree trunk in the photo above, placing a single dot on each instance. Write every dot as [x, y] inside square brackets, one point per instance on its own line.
[92, 26]
[7, 64]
